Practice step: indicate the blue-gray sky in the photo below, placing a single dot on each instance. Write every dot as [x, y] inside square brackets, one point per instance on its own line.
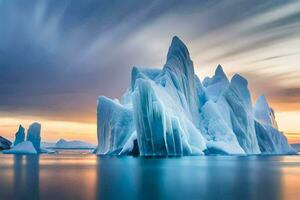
[57, 56]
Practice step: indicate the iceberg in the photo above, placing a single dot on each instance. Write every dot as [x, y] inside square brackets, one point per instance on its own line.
[22, 148]
[74, 144]
[32, 145]
[20, 135]
[170, 112]
[4, 143]
[34, 135]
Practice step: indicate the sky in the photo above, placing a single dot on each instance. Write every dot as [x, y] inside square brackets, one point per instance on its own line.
[58, 56]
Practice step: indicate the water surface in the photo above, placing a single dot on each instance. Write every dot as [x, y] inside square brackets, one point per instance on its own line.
[70, 175]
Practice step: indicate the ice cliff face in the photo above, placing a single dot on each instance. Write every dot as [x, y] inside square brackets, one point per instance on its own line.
[34, 135]
[263, 113]
[270, 140]
[170, 112]
[115, 126]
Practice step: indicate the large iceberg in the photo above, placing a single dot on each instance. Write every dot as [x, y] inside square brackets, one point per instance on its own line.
[170, 112]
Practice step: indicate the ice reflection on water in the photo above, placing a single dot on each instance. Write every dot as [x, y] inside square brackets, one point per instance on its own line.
[73, 176]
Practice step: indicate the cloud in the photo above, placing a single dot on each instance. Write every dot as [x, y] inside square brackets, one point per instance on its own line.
[56, 57]
[275, 57]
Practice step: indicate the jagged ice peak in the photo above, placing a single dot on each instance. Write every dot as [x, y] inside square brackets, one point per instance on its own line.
[168, 112]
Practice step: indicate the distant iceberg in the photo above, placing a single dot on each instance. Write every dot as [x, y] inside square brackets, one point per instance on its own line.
[48, 145]
[170, 112]
[73, 144]
[296, 147]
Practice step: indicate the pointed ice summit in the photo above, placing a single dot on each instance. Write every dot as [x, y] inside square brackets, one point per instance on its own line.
[170, 112]
[20, 135]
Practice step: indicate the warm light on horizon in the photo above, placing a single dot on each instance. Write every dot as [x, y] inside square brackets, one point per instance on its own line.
[53, 130]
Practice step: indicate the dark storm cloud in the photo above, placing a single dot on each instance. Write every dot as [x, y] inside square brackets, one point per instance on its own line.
[56, 57]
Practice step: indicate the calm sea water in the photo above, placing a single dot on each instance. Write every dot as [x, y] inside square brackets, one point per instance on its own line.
[86, 176]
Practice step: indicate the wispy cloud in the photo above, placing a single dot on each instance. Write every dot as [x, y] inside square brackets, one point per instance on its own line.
[56, 57]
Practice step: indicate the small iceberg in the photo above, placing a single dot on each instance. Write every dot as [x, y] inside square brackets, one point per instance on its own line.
[296, 147]
[4, 143]
[32, 145]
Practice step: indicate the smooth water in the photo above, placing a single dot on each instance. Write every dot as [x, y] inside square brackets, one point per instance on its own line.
[86, 176]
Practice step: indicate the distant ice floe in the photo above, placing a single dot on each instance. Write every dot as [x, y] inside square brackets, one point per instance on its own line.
[73, 144]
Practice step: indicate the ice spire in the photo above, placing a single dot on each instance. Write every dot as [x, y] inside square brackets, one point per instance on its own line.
[220, 72]
[264, 113]
[178, 58]
[180, 70]
[20, 135]
[34, 135]
[177, 46]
